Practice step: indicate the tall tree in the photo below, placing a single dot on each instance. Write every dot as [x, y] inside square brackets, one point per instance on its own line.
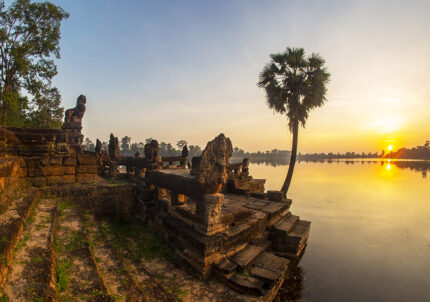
[294, 85]
[125, 144]
[29, 43]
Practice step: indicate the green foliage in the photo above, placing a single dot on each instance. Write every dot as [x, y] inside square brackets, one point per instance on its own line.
[4, 298]
[62, 274]
[295, 84]
[29, 43]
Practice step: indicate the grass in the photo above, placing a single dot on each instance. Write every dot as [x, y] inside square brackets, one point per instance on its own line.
[143, 243]
[62, 274]
[63, 205]
[37, 259]
[4, 298]
[72, 241]
[32, 217]
[244, 273]
[148, 244]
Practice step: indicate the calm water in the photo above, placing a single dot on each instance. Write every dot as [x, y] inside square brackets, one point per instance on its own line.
[370, 235]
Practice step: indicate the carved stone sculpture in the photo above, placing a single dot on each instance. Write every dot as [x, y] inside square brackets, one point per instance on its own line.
[73, 117]
[113, 148]
[211, 169]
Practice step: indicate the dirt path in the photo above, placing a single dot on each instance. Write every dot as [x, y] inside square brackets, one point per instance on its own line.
[77, 275]
[12, 218]
[31, 277]
[120, 283]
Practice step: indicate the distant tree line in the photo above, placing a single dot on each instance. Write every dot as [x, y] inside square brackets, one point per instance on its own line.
[330, 155]
[129, 148]
[418, 152]
[273, 156]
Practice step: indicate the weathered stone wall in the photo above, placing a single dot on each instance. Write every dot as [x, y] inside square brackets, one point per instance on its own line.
[11, 173]
[44, 157]
[116, 201]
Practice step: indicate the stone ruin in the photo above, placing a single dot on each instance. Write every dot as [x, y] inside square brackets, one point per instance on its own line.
[215, 216]
[40, 157]
[220, 221]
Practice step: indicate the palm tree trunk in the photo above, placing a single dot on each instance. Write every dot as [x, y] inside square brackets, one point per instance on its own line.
[287, 182]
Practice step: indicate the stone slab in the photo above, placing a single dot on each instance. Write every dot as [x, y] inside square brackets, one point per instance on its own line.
[271, 262]
[285, 225]
[247, 285]
[265, 274]
[247, 256]
[226, 266]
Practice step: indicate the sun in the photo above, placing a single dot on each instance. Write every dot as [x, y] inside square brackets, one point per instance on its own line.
[390, 147]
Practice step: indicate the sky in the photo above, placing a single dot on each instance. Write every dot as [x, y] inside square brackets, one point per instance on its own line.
[175, 70]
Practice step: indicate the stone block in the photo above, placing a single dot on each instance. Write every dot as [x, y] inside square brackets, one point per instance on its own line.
[52, 171]
[32, 163]
[53, 180]
[68, 179]
[69, 160]
[69, 170]
[34, 172]
[22, 172]
[275, 195]
[39, 181]
[86, 169]
[51, 161]
[87, 159]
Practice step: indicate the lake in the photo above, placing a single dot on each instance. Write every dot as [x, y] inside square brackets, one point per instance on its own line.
[370, 234]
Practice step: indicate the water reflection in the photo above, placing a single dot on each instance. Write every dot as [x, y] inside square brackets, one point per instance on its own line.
[417, 166]
[369, 238]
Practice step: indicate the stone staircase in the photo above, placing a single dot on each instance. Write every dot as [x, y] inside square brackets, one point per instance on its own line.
[260, 268]
[289, 236]
[253, 270]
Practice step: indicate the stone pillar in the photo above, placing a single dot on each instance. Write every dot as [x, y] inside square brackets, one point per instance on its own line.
[208, 212]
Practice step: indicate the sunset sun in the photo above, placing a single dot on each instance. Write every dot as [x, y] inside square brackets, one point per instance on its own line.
[390, 147]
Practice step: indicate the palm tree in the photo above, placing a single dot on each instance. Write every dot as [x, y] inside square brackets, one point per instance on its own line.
[294, 85]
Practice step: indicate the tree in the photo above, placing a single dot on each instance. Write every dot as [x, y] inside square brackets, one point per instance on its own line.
[181, 144]
[194, 151]
[125, 144]
[29, 43]
[294, 85]
[88, 145]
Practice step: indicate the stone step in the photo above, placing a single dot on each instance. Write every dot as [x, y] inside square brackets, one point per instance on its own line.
[284, 226]
[246, 257]
[247, 285]
[271, 270]
[32, 274]
[274, 209]
[292, 245]
[299, 233]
